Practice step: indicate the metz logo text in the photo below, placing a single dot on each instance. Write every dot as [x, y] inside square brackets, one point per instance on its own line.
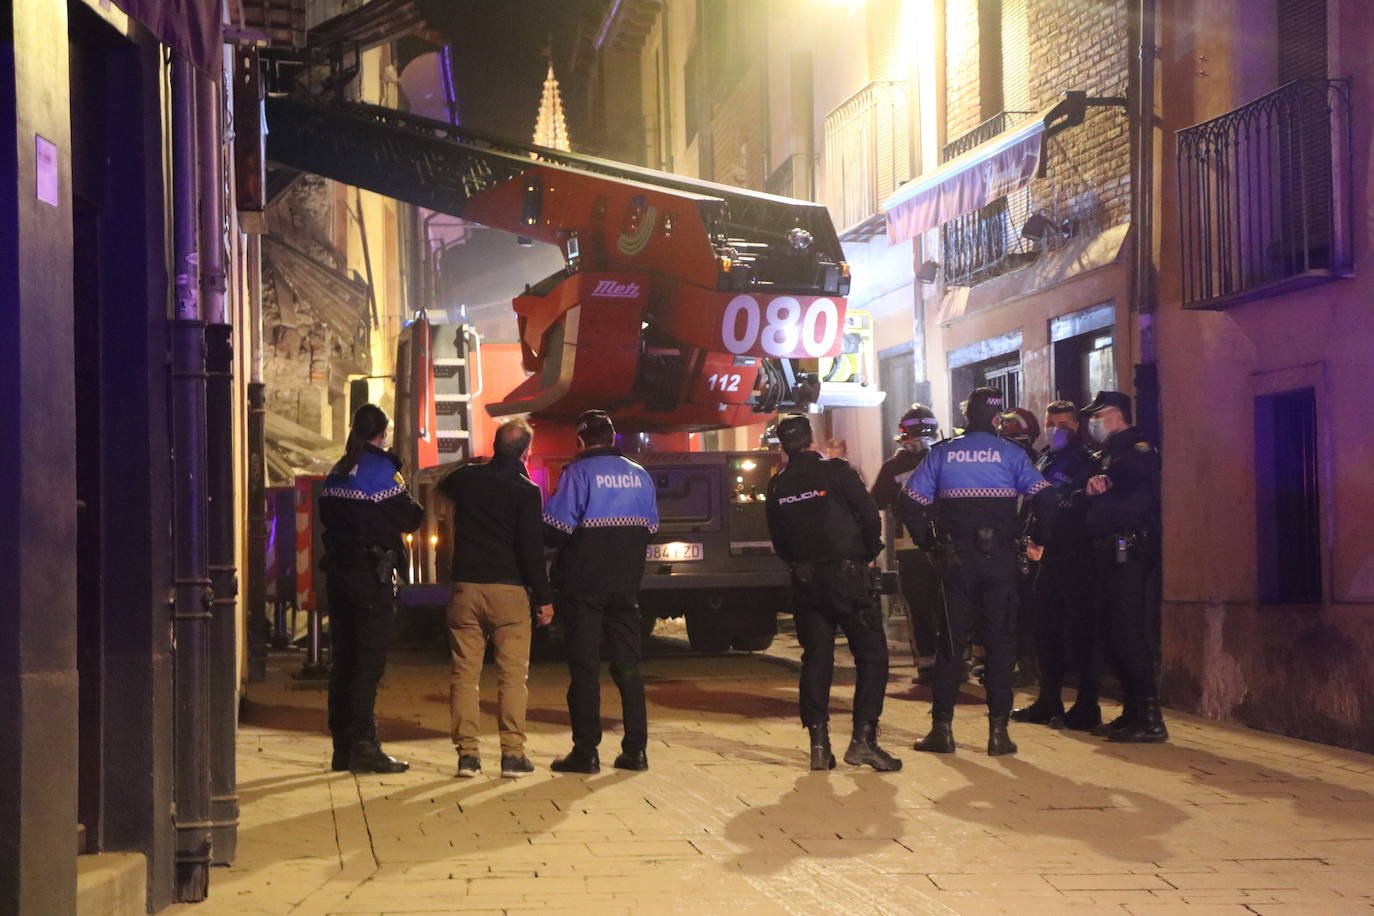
[610, 289]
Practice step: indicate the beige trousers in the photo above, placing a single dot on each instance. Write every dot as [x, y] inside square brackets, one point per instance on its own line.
[477, 612]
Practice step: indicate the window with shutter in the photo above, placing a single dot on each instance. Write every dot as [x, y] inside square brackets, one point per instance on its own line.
[1306, 161]
[1016, 56]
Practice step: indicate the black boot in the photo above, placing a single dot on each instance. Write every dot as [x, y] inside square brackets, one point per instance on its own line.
[578, 761]
[1041, 712]
[1127, 717]
[999, 742]
[368, 757]
[940, 740]
[1082, 717]
[339, 762]
[632, 760]
[1147, 728]
[864, 750]
[821, 758]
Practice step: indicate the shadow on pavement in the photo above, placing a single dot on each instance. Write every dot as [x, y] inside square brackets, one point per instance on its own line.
[865, 819]
[1209, 770]
[1136, 837]
[314, 720]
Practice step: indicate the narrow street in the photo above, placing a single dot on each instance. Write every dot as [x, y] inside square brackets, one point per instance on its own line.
[1221, 820]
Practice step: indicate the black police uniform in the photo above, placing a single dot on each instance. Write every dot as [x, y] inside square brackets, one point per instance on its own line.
[1065, 626]
[1122, 526]
[825, 526]
[972, 483]
[919, 581]
[365, 511]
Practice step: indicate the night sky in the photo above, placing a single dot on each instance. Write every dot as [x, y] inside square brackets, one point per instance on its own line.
[499, 58]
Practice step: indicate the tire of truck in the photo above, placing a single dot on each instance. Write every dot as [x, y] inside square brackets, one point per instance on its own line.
[705, 632]
[754, 630]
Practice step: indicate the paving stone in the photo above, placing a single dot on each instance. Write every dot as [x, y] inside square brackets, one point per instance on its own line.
[1221, 820]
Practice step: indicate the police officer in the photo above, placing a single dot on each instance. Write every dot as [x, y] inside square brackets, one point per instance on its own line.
[600, 519]
[825, 526]
[916, 433]
[1122, 524]
[1065, 629]
[971, 483]
[365, 509]
[1020, 426]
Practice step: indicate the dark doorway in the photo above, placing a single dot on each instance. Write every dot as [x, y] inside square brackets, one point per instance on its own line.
[1287, 493]
[1084, 365]
[118, 328]
[897, 379]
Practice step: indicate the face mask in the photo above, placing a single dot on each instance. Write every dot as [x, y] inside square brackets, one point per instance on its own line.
[1059, 438]
[1098, 430]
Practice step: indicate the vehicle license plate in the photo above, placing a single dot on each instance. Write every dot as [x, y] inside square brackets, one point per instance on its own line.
[674, 552]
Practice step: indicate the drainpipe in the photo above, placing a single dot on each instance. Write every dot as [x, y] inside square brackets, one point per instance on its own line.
[1144, 291]
[256, 610]
[219, 415]
[192, 598]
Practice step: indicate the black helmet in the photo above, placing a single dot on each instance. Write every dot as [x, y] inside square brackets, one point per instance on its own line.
[917, 423]
[794, 432]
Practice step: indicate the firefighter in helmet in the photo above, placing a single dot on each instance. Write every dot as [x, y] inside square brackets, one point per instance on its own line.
[917, 431]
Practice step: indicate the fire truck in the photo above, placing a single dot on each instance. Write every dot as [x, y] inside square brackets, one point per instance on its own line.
[681, 306]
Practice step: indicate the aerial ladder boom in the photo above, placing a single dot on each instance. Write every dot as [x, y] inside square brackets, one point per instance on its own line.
[682, 304]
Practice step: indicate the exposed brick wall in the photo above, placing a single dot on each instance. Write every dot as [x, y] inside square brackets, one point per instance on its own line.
[1084, 46]
[1080, 45]
[962, 112]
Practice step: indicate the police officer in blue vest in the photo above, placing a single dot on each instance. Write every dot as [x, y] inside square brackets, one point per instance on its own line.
[600, 519]
[365, 510]
[962, 503]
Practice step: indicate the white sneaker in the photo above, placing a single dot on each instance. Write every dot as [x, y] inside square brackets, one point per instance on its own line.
[469, 767]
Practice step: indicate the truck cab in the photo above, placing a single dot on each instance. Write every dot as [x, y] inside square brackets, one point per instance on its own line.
[711, 560]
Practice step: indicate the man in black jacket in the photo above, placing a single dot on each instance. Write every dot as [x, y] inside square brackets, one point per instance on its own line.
[825, 526]
[1065, 625]
[498, 569]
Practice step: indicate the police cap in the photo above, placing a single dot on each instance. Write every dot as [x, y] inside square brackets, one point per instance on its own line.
[1104, 399]
[591, 422]
[983, 404]
[794, 432]
[918, 421]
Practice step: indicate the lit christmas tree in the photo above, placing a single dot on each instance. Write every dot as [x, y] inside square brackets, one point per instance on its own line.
[550, 128]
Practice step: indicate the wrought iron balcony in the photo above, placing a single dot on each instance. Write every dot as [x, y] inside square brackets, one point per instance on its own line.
[867, 153]
[987, 242]
[1264, 195]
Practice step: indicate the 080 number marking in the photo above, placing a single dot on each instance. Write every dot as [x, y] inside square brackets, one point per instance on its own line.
[786, 328]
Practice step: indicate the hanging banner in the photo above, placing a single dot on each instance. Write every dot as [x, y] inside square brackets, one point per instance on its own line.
[966, 183]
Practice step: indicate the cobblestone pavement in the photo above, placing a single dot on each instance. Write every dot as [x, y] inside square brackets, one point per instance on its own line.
[1221, 820]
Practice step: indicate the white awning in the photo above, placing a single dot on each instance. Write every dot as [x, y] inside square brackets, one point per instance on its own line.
[968, 182]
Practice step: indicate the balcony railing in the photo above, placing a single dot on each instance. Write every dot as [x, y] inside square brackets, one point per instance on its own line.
[987, 242]
[867, 152]
[1264, 195]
